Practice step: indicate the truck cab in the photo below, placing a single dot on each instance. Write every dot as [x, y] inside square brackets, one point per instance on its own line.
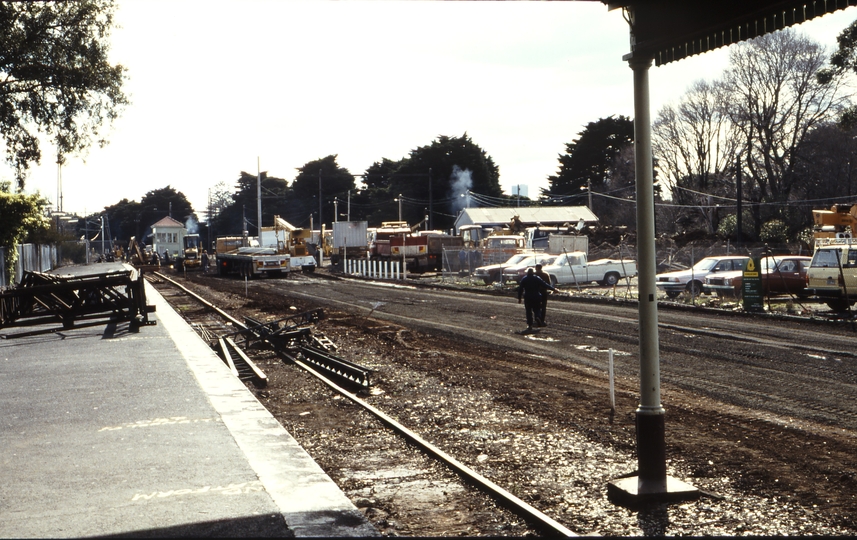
[832, 274]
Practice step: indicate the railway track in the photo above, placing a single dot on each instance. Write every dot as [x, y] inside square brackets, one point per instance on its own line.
[527, 413]
[316, 358]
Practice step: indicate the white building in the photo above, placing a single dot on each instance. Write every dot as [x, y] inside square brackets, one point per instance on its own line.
[530, 216]
[168, 234]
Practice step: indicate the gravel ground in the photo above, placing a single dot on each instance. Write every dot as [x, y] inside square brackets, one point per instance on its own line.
[539, 429]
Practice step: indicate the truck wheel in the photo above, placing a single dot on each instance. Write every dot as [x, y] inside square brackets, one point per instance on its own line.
[611, 279]
[488, 280]
[553, 281]
[838, 305]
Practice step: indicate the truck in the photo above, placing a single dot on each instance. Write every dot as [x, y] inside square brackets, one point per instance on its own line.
[236, 257]
[350, 241]
[285, 238]
[573, 268]
[832, 274]
[562, 243]
[539, 239]
[379, 238]
[189, 258]
[424, 251]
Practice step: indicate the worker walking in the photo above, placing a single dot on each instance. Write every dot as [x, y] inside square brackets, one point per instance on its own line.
[530, 289]
[543, 306]
[204, 258]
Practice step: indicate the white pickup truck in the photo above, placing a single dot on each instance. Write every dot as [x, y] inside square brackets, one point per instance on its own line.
[573, 267]
[832, 274]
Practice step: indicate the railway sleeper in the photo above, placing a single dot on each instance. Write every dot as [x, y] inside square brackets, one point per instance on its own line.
[338, 367]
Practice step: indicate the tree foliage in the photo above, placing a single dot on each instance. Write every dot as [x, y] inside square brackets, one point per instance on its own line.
[763, 108]
[20, 216]
[589, 158]
[438, 174]
[242, 212]
[322, 177]
[55, 78]
[131, 218]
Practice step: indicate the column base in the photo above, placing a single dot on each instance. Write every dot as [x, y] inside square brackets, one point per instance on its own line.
[631, 491]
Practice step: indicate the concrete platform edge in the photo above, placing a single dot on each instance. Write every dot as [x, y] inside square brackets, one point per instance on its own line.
[311, 503]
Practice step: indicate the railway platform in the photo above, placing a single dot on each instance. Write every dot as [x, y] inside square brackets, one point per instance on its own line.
[113, 431]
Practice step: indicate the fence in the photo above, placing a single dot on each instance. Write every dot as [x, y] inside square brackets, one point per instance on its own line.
[40, 258]
[374, 269]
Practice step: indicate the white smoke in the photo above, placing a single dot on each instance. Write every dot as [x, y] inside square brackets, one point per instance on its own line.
[460, 182]
[191, 225]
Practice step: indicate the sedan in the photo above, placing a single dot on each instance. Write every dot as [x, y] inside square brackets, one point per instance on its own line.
[691, 279]
[781, 274]
[493, 272]
[518, 271]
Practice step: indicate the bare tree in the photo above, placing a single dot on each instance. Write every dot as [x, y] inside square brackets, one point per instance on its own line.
[774, 100]
[695, 145]
[764, 106]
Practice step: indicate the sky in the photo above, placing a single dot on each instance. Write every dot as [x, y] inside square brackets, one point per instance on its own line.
[219, 87]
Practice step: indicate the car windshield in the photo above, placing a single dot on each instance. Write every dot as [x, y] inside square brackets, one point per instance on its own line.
[516, 259]
[706, 264]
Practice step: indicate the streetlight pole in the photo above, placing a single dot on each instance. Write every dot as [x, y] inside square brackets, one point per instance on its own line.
[400, 206]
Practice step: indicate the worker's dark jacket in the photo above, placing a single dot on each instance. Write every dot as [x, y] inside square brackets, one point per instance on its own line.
[531, 286]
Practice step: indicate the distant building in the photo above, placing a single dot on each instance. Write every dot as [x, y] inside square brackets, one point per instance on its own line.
[168, 234]
[530, 216]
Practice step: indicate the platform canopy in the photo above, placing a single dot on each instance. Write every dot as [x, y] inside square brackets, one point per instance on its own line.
[669, 30]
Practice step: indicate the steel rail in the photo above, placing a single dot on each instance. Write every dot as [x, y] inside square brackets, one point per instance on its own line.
[541, 521]
[537, 518]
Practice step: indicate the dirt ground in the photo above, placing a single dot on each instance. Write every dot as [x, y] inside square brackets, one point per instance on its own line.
[549, 438]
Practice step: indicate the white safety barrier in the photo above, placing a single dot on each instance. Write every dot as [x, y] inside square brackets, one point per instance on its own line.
[374, 269]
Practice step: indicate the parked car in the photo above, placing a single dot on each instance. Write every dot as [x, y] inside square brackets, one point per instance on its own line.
[517, 271]
[574, 268]
[693, 278]
[493, 272]
[781, 274]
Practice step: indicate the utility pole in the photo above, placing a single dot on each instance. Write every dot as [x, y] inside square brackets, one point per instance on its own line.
[348, 217]
[431, 203]
[320, 218]
[258, 200]
[738, 196]
[589, 192]
[335, 209]
[400, 206]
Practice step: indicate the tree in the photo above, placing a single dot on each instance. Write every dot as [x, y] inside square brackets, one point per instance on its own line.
[241, 214]
[587, 161]
[842, 61]
[762, 109]
[20, 216]
[774, 99]
[326, 178]
[438, 175]
[124, 219]
[56, 78]
[695, 143]
[163, 202]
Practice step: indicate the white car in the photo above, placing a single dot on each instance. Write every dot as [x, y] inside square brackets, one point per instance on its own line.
[693, 278]
[493, 272]
[517, 271]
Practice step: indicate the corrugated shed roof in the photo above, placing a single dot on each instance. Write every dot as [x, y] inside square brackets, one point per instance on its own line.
[529, 215]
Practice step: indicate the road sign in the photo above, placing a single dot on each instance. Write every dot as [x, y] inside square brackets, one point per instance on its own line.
[751, 286]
